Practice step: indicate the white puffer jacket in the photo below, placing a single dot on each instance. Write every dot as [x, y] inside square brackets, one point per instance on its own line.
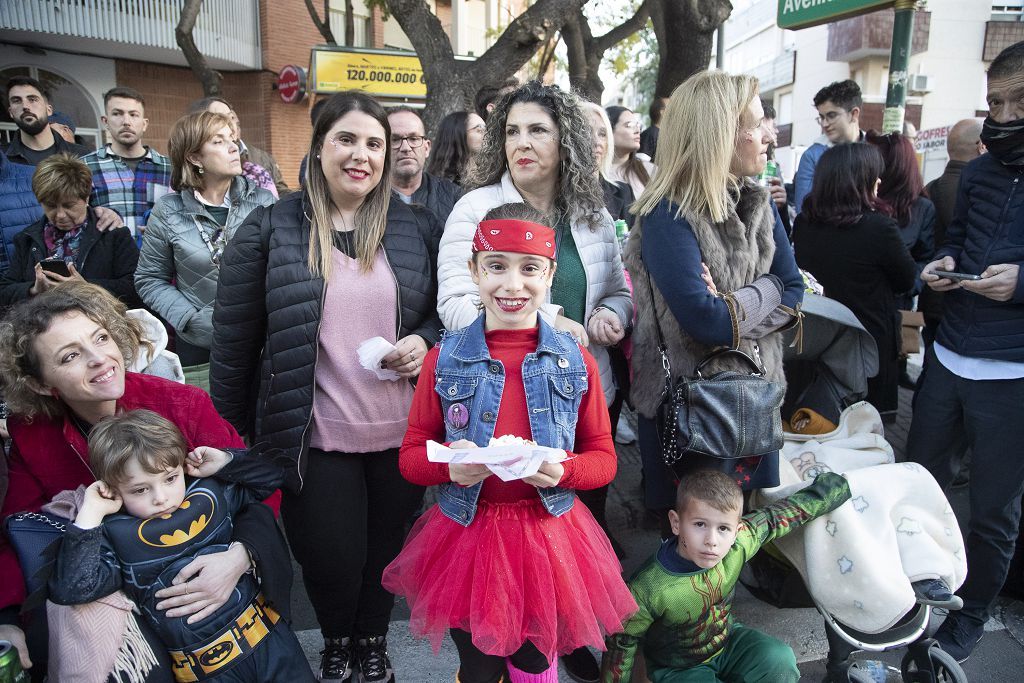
[458, 297]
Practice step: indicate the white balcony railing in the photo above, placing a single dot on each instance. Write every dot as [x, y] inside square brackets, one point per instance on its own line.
[227, 32]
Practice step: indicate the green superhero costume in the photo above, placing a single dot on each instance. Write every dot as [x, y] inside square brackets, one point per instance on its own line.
[684, 618]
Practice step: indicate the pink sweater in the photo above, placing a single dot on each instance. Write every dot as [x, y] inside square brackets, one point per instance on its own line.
[353, 411]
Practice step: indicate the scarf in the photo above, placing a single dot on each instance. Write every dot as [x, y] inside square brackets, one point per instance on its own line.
[1005, 141]
[63, 244]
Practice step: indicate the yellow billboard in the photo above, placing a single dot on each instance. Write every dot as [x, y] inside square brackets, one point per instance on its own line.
[376, 72]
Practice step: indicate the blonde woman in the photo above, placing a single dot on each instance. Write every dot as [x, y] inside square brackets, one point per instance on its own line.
[303, 284]
[618, 195]
[710, 248]
[179, 263]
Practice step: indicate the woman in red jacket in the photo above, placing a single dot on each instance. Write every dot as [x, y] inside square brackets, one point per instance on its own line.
[63, 369]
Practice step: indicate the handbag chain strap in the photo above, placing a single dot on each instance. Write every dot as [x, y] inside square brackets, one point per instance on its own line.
[35, 516]
[665, 364]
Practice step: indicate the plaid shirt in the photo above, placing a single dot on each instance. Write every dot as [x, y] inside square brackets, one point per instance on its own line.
[132, 195]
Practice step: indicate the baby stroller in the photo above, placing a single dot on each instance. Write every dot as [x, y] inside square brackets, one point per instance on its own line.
[828, 373]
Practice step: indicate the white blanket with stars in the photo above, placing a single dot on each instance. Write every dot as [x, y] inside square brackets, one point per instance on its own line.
[859, 560]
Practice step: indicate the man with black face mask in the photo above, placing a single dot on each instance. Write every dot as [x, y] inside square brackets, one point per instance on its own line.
[29, 106]
[973, 392]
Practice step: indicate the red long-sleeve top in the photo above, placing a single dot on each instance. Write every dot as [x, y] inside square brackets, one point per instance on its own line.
[592, 462]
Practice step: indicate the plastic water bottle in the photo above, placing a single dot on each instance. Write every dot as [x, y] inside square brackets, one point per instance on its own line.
[621, 233]
[771, 170]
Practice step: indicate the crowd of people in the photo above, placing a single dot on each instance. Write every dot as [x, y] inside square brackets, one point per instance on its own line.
[489, 266]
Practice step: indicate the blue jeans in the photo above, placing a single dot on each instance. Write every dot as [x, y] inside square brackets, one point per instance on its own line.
[986, 414]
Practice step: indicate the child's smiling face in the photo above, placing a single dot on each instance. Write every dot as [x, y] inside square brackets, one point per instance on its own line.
[513, 287]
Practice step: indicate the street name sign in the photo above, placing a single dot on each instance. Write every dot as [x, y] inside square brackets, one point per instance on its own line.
[797, 14]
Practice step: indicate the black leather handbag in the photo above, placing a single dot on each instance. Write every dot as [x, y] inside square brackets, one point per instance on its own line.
[727, 415]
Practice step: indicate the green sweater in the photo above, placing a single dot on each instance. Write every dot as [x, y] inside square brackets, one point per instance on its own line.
[684, 618]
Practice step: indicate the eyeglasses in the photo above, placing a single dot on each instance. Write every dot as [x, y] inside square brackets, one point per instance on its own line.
[478, 128]
[829, 117]
[634, 126]
[413, 140]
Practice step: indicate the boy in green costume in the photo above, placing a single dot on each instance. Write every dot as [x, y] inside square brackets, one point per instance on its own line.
[685, 591]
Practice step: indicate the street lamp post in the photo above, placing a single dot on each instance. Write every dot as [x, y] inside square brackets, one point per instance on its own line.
[899, 59]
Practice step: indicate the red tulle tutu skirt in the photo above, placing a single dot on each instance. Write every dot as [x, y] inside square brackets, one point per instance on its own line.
[515, 574]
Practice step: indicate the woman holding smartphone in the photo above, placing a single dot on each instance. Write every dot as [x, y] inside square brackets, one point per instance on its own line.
[66, 244]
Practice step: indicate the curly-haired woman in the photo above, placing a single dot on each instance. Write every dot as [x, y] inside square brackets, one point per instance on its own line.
[538, 149]
[64, 368]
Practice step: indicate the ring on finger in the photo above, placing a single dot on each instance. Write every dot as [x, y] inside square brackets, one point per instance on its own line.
[186, 587]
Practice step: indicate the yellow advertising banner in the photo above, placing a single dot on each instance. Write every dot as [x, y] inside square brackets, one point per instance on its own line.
[389, 74]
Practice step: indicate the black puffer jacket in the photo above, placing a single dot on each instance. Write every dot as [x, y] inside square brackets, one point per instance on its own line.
[266, 320]
[437, 194]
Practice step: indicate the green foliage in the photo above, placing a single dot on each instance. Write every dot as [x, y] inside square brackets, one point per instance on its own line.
[634, 61]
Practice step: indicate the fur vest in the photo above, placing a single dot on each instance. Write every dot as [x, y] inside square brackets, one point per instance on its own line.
[737, 252]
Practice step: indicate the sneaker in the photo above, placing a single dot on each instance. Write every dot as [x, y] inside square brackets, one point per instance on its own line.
[581, 665]
[336, 660]
[936, 592]
[624, 434]
[374, 663]
[958, 636]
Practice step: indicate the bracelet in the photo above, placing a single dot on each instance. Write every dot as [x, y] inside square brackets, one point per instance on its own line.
[248, 553]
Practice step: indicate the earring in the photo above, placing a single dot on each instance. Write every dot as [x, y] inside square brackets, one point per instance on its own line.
[317, 156]
[200, 170]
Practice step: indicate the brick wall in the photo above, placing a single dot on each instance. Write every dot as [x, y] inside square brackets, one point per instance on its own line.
[871, 116]
[164, 104]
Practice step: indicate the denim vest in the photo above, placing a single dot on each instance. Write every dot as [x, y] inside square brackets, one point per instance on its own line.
[470, 383]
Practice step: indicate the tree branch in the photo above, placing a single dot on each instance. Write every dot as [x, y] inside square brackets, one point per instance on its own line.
[536, 25]
[625, 29]
[209, 78]
[324, 26]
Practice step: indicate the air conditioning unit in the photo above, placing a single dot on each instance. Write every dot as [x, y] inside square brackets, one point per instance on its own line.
[919, 84]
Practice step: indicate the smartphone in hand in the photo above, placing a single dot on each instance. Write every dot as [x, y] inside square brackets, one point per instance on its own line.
[56, 265]
[951, 275]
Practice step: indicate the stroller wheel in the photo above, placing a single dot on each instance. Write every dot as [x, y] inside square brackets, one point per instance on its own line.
[941, 668]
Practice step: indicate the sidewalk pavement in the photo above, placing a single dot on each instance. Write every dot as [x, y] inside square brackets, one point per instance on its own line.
[999, 657]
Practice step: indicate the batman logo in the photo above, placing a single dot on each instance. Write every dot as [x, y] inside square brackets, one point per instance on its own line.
[217, 654]
[188, 521]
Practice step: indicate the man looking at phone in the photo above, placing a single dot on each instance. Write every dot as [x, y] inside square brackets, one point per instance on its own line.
[973, 390]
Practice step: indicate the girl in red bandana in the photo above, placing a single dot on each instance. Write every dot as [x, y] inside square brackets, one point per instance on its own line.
[515, 571]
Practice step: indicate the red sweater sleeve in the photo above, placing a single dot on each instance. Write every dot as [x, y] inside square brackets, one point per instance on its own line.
[593, 462]
[425, 423]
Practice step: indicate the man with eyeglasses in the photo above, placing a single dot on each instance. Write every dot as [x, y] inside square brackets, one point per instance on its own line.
[838, 106]
[409, 150]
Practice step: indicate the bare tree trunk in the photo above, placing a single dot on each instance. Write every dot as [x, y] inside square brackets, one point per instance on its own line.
[681, 57]
[452, 84]
[350, 23]
[586, 52]
[322, 25]
[210, 78]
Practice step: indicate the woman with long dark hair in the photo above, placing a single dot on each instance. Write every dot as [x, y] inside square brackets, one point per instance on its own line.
[902, 192]
[628, 165]
[855, 250]
[303, 284]
[459, 137]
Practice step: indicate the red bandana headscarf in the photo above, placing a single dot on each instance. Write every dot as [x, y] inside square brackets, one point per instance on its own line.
[520, 237]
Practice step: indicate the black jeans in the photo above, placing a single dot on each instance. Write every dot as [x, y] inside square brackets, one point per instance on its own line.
[345, 526]
[476, 667]
[951, 412]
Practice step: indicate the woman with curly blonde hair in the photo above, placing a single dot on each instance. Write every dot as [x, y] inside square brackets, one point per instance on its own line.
[63, 369]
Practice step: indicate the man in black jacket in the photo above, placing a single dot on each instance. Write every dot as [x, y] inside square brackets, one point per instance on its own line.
[410, 148]
[29, 106]
[974, 387]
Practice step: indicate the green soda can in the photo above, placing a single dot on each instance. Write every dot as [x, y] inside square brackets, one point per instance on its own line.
[10, 664]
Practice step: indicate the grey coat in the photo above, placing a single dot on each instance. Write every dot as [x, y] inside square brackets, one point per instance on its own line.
[173, 250]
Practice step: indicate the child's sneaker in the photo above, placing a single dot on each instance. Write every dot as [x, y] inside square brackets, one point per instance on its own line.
[336, 660]
[959, 635]
[936, 592]
[374, 663]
